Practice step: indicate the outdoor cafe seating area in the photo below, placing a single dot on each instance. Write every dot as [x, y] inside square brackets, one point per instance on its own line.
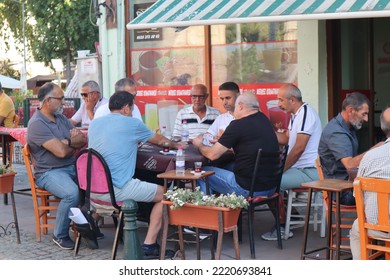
[306, 243]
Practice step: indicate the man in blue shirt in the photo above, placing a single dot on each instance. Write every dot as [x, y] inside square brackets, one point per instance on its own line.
[116, 137]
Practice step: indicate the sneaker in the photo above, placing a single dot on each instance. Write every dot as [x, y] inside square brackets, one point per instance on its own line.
[64, 243]
[99, 235]
[203, 233]
[272, 235]
[153, 251]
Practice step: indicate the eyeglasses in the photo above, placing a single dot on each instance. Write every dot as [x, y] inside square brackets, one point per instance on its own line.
[198, 96]
[57, 98]
[86, 94]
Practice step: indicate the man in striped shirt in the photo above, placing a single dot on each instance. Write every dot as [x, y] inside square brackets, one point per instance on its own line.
[199, 116]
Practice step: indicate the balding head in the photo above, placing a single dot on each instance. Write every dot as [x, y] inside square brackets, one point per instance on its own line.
[246, 104]
[385, 122]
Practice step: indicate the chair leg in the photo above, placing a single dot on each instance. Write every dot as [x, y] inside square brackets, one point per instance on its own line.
[77, 244]
[239, 225]
[277, 220]
[288, 212]
[250, 232]
[118, 229]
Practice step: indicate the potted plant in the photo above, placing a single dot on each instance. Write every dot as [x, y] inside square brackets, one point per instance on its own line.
[193, 208]
[7, 175]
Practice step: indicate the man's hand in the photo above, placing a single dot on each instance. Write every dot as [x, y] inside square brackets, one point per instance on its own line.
[197, 141]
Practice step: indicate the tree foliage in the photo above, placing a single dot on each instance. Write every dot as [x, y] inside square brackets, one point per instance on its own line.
[53, 28]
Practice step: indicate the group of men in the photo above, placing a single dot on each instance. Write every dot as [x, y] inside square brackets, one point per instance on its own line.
[243, 129]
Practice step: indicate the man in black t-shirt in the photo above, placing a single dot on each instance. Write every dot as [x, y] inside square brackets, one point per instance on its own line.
[250, 131]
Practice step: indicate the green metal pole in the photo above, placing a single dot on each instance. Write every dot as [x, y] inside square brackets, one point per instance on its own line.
[132, 248]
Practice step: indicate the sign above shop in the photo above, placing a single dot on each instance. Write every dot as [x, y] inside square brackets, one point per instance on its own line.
[148, 34]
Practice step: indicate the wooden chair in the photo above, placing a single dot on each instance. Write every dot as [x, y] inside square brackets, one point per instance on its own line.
[44, 202]
[270, 165]
[372, 247]
[94, 177]
[346, 213]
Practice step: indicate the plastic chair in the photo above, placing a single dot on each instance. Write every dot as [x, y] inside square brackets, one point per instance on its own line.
[94, 177]
[372, 247]
[346, 213]
[295, 200]
[42, 199]
[268, 164]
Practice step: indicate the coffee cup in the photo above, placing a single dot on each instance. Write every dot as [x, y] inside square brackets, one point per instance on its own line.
[149, 72]
[198, 167]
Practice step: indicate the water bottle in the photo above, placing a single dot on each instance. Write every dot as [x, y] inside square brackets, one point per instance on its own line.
[165, 132]
[180, 161]
[185, 132]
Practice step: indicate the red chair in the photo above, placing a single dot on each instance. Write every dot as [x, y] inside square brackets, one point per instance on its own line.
[94, 177]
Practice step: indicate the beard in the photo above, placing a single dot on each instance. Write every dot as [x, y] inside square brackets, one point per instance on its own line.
[59, 110]
[356, 124]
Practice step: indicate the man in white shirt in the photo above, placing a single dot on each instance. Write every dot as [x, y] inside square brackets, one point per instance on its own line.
[228, 93]
[199, 116]
[302, 136]
[125, 84]
[92, 97]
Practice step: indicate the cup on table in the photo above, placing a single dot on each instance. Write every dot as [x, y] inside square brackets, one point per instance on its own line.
[166, 147]
[198, 167]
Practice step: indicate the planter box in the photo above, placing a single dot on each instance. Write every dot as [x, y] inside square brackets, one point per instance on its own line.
[205, 217]
[7, 182]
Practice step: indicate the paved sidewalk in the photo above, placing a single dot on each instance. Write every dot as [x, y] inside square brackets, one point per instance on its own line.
[29, 249]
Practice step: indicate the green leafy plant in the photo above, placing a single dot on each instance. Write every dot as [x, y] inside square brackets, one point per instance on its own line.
[180, 196]
[6, 169]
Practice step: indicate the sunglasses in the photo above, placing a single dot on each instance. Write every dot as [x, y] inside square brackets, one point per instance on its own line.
[86, 94]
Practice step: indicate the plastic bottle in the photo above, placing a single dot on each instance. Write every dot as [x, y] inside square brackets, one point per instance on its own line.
[180, 161]
[165, 132]
[185, 132]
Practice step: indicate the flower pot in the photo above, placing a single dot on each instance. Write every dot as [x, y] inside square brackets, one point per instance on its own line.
[7, 182]
[205, 217]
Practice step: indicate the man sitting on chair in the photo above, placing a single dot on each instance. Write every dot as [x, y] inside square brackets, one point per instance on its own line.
[53, 140]
[116, 137]
[376, 164]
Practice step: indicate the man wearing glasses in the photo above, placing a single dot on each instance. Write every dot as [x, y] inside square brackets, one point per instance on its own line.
[92, 97]
[53, 139]
[199, 117]
[125, 84]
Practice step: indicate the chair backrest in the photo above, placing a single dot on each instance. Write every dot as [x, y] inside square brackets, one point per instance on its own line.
[93, 175]
[29, 163]
[321, 176]
[381, 188]
[268, 169]
[16, 121]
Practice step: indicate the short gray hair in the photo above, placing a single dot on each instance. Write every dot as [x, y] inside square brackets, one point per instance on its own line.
[249, 100]
[93, 86]
[355, 100]
[292, 91]
[122, 83]
[385, 123]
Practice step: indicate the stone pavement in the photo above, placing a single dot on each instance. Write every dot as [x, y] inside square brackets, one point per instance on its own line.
[29, 249]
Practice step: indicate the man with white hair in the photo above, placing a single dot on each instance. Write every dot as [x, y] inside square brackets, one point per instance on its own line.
[250, 131]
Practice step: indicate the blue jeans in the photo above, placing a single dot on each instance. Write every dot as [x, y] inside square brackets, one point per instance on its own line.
[61, 182]
[293, 178]
[224, 182]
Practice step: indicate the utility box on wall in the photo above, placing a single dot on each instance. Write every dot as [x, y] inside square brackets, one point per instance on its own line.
[89, 68]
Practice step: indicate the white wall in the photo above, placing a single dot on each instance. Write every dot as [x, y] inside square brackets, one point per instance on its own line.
[312, 76]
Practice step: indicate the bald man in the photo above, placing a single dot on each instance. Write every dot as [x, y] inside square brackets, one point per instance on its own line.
[375, 164]
[199, 116]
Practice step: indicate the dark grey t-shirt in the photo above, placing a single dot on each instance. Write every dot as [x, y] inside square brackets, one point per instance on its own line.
[337, 142]
[40, 130]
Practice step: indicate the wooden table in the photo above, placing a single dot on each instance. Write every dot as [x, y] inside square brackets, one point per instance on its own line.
[332, 186]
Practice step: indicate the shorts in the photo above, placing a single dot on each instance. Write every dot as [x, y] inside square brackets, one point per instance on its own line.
[135, 189]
